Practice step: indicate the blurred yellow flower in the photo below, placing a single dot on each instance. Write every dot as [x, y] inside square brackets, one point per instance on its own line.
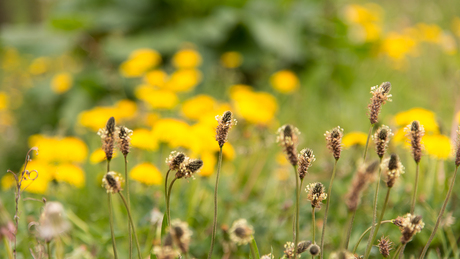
[39, 65]
[97, 117]
[281, 159]
[255, 107]
[70, 174]
[156, 78]
[438, 146]
[151, 118]
[397, 46]
[228, 151]
[4, 101]
[354, 138]
[231, 59]
[456, 26]
[144, 139]
[426, 118]
[61, 83]
[139, 62]
[184, 80]
[173, 132]
[209, 117]
[98, 156]
[361, 14]
[284, 81]
[196, 106]
[282, 173]
[39, 185]
[156, 98]
[146, 173]
[11, 59]
[429, 32]
[55, 149]
[209, 163]
[187, 58]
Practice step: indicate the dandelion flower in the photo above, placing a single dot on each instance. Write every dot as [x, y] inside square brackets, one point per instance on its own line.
[146, 173]
[187, 58]
[231, 59]
[437, 146]
[61, 83]
[284, 81]
[354, 138]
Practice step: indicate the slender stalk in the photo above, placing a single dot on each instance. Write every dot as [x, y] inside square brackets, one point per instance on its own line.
[374, 215]
[438, 220]
[214, 224]
[401, 251]
[367, 142]
[8, 248]
[166, 186]
[329, 190]
[132, 224]
[412, 206]
[365, 232]
[351, 216]
[296, 218]
[379, 222]
[253, 253]
[111, 226]
[168, 211]
[313, 222]
[398, 249]
[48, 248]
[129, 206]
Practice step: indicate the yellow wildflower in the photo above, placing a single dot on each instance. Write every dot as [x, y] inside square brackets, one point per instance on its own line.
[10, 59]
[254, 107]
[184, 80]
[70, 174]
[429, 32]
[96, 118]
[156, 98]
[354, 138]
[146, 173]
[209, 163]
[426, 118]
[228, 151]
[54, 149]
[4, 101]
[282, 173]
[362, 14]
[39, 185]
[456, 26]
[174, 132]
[284, 81]
[39, 65]
[98, 156]
[139, 62]
[156, 78]
[231, 59]
[195, 107]
[208, 117]
[397, 46]
[187, 58]
[281, 159]
[438, 146]
[144, 139]
[202, 138]
[125, 109]
[61, 83]
[151, 118]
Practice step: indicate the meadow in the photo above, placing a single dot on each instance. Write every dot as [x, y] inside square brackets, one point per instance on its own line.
[300, 109]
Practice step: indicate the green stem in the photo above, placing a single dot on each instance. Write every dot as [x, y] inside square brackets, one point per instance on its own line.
[438, 220]
[313, 224]
[379, 222]
[327, 208]
[365, 232]
[214, 223]
[132, 224]
[168, 210]
[374, 215]
[48, 248]
[166, 193]
[412, 206]
[296, 218]
[367, 142]
[396, 252]
[8, 248]
[129, 206]
[111, 226]
[253, 253]
[351, 216]
[401, 251]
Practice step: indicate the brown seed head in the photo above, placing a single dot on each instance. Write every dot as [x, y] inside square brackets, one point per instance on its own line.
[316, 193]
[180, 234]
[175, 159]
[287, 137]
[361, 180]
[241, 232]
[289, 250]
[303, 246]
[380, 95]
[314, 250]
[381, 140]
[392, 168]
[123, 136]
[165, 252]
[409, 225]
[385, 245]
[107, 136]
[189, 167]
[112, 182]
[224, 124]
[415, 132]
[334, 141]
[306, 158]
[457, 154]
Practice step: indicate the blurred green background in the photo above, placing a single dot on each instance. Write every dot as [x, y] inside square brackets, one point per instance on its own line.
[166, 68]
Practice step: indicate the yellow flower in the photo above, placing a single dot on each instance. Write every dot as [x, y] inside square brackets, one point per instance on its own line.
[456, 26]
[96, 118]
[284, 81]
[98, 156]
[151, 118]
[425, 117]
[255, 107]
[438, 146]
[54, 149]
[397, 46]
[184, 80]
[208, 117]
[156, 78]
[139, 62]
[156, 98]
[61, 83]
[231, 59]
[39, 185]
[4, 101]
[281, 159]
[173, 132]
[209, 163]
[195, 107]
[10, 59]
[361, 14]
[146, 173]
[228, 151]
[144, 139]
[187, 58]
[282, 173]
[354, 138]
[39, 65]
[125, 109]
[70, 174]
[429, 32]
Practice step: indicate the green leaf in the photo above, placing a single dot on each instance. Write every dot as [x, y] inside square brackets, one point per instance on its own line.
[164, 225]
[254, 247]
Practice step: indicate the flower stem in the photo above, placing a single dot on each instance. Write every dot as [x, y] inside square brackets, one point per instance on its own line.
[48, 248]
[398, 249]
[379, 222]
[438, 220]
[296, 218]
[168, 211]
[351, 216]
[367, 142]
[111, 225]
[374, 215]
[327, 208]
[253, 253]
[132, 224]
[8, 248]
[365, 232]
[313, 224]
[129, 206]
[412, 206]
[214, 224]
